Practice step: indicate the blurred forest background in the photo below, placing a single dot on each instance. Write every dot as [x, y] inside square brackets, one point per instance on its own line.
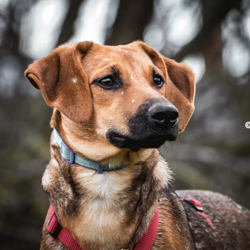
[213, 37]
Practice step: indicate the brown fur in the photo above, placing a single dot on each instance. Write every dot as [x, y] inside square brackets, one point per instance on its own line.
[113, 210]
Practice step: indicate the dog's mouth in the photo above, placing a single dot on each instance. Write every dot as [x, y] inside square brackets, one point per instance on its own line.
[137, 141]
[154, 123]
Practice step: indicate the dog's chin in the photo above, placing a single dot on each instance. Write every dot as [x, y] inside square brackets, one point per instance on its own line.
[136, 142]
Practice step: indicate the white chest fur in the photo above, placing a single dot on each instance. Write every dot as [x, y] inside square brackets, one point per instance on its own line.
[103, 208]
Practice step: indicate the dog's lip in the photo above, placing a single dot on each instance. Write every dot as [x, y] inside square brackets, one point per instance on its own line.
[118, 137]
[124, 141]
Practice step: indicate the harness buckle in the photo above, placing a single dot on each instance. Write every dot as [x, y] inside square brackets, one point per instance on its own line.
[54, 228]
[195, 204]
[72, 154]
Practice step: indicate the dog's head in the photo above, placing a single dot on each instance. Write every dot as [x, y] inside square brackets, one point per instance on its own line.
[115, 96]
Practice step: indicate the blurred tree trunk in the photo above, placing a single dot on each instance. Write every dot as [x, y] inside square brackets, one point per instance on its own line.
[11, 23]
[69, 21]
[132, 18]
[208, 40]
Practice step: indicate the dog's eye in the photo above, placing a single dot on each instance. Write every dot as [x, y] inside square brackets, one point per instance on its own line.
[107, 82]
[158, 81]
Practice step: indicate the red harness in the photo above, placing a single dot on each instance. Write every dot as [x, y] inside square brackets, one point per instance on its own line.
[197, 205]
[63, 235]
[146, 243]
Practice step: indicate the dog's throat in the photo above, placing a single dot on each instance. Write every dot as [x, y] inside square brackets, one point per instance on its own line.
[69, 156]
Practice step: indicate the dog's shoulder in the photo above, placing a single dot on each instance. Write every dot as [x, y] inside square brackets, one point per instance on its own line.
[173, 230]
[228, 221]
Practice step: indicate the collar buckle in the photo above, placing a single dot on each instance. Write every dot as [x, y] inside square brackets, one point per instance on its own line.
[100, 169]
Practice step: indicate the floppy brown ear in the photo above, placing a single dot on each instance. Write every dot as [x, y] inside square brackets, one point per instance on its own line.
[62, 81]
[180, 90]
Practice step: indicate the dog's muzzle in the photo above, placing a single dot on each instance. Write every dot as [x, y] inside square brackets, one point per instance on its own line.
[153, 124]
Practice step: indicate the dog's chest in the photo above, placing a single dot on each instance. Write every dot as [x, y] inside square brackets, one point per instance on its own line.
[106, 186]
[103, 215]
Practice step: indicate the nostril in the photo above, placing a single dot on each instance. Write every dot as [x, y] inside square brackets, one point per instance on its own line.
[173, 116]
[159, 117]
[163, 114]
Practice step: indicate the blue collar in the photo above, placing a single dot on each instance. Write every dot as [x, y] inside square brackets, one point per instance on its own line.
[69, 156]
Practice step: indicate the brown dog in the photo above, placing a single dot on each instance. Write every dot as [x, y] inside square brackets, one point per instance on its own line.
[113, 106]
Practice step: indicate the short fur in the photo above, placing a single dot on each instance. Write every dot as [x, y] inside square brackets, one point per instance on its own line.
[113, 210]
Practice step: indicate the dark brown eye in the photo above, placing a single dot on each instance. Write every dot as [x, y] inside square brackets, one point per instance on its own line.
[158, 81]
[107, 82]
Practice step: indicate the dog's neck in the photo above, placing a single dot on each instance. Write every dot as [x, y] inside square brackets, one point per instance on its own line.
[105, 211]
[71, 157]
[93, 146]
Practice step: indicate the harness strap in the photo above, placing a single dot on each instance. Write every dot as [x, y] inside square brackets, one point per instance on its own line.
[60, 233]
[64, 236]
[148, 238]
[197, 205]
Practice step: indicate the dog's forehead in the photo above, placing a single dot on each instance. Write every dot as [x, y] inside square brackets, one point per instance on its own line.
[102, 59]
[129, 51]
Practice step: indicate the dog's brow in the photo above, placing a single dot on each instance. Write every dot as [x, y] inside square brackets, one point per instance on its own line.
[116, 71]
[153, 70]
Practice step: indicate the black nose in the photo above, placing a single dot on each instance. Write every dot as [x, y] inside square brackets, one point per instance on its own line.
[163, 114]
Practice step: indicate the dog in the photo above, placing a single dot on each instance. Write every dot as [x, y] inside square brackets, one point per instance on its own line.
[108, 187]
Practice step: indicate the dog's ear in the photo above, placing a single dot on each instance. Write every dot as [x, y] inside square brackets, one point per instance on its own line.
[62, 81]
[180, 84]
[180, 89]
